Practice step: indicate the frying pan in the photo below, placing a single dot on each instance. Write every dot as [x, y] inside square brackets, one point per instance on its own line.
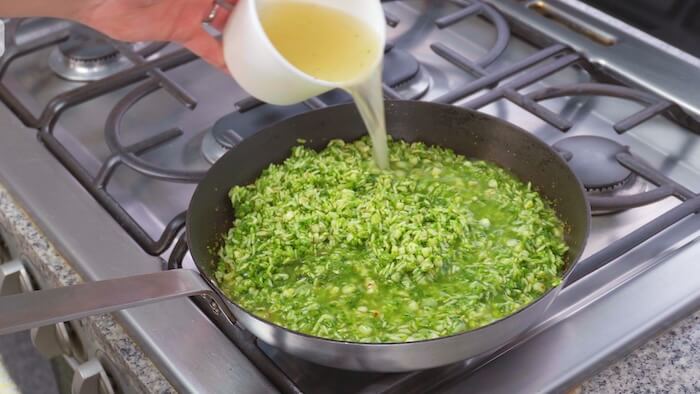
[210, 216]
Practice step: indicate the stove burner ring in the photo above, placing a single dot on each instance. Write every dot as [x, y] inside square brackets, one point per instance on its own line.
[603, 189]
[593, 160]
[415, 87]
[85, 56]
[405, 74]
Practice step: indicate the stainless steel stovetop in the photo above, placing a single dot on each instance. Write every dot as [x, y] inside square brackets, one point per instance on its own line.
[121, 146]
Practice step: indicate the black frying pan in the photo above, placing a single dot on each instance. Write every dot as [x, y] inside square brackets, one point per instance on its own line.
[210, 216]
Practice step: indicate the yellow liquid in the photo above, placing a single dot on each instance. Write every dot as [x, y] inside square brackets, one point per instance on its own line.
[335, 47]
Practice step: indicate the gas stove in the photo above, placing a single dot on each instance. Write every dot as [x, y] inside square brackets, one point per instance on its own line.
[125, 131]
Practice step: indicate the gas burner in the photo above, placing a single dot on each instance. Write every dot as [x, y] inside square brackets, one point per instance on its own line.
[593, 160]
[231, 129]
[404, 74]
[86, 56]
[218, 140]
[634, 185]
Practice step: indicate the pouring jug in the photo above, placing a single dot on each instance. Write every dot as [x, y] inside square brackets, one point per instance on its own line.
[262, 71]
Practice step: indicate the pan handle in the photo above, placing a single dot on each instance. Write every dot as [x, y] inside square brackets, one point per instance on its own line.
[45, 307]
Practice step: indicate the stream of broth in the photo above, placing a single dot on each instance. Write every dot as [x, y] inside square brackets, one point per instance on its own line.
[334, 47]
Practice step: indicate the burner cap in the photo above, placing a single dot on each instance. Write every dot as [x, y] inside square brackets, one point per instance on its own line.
[85, 56]
[85, 45]
[218, 140]
[399, 67]
[231, 129]
[593, 161]
[221, 137]
[403, 73]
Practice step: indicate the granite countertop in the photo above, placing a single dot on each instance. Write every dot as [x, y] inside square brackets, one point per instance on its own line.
[669, 363]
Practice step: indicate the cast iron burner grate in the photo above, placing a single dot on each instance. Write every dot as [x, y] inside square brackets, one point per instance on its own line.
[507, 81]
[502, 82]
[142, 69]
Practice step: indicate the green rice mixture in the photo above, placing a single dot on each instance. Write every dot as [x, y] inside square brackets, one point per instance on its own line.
[327, 244]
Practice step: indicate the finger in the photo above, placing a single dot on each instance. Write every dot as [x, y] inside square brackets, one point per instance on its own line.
[208, 48]
[221, 18]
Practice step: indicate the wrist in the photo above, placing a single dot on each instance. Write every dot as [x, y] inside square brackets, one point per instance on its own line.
[64, 9]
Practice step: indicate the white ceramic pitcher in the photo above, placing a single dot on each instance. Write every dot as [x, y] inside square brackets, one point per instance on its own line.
[262, 71]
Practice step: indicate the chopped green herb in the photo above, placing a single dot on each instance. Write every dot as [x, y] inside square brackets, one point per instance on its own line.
[329, 245]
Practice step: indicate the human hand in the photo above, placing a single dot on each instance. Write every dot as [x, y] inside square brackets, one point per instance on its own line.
[179, 21]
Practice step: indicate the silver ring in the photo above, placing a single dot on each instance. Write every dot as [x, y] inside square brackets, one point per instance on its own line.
[216, 5]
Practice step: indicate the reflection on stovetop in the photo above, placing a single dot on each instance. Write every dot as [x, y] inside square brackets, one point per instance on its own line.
[309, 377]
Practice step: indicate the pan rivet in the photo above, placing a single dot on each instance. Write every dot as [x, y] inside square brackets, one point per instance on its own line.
[214, 307]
